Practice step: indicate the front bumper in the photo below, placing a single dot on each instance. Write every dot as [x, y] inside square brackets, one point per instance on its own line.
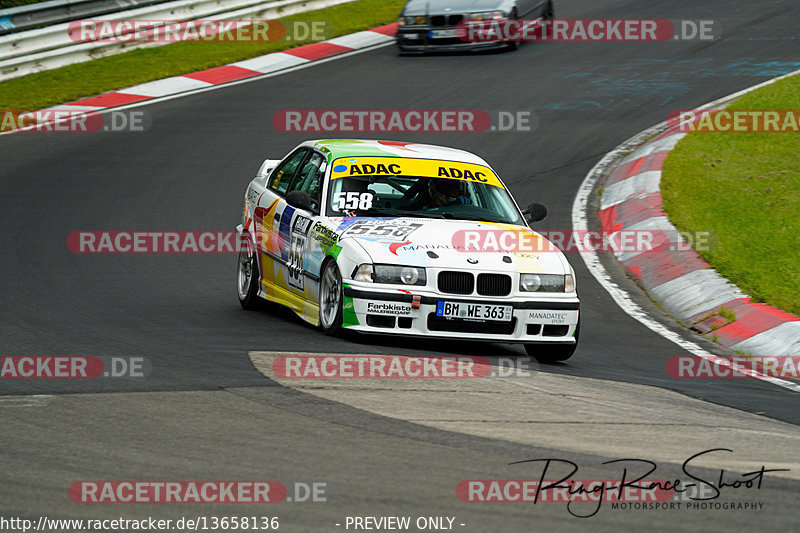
[418, 39]
[544, 319]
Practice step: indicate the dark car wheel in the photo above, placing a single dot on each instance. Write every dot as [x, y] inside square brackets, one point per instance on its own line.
[550, 12]
[513, 45]
[247, 276]
[330, 299]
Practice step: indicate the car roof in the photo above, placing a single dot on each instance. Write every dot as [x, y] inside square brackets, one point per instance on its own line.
[364, 148]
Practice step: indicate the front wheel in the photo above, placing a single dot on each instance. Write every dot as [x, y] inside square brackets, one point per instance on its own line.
[247, 277]
[512, 45]
[554, 353]
[330, 299]
[549, 13]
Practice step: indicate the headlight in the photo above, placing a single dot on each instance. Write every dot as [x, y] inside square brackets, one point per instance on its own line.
[406, 275]
[363, 273]
[569, 283]
[400, 275]
[545, 283]
[488, 15]
[410, 21]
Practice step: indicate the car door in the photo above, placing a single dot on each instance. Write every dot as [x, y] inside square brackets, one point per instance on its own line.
[272, 218]
[295, 224]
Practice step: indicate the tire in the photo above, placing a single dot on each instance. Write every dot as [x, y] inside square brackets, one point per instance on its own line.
[512, 45]
[330, 299]
[247, 274]
[549, 13]
[554, 353]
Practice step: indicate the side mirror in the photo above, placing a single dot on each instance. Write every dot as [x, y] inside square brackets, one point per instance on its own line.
[267, 167]
[300, 200]
[535, 212]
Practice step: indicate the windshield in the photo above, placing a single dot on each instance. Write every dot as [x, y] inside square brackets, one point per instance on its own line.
[478, 196]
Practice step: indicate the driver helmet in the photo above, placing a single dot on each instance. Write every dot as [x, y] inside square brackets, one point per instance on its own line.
[445, 191]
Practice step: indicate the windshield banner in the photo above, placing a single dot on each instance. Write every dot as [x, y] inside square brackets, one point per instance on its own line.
[346, 167]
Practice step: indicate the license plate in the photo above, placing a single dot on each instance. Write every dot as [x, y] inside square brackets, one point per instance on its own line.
[442, 34]
[465, 311]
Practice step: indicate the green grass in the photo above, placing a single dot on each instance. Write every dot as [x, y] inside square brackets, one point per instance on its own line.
[745, 188]
[13, 3]
[83, 80]
[727, 314]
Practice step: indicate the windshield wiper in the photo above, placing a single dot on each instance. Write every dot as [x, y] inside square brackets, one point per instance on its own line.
[477, 218]
[397, 212]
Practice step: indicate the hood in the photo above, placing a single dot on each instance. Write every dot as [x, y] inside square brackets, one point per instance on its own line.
[437, 7]
[439, 243]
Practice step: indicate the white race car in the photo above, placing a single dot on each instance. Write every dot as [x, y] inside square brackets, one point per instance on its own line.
[387, 237]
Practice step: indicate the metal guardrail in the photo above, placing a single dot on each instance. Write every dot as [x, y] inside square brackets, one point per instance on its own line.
[20, 18]
[51, 47]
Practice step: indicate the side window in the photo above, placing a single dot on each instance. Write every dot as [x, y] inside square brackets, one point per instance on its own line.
[309, 178]
[282, 176]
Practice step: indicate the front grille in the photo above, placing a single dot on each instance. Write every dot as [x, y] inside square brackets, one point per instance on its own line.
[494, 284]
[437, 323]
[456, 282]
[446, 20]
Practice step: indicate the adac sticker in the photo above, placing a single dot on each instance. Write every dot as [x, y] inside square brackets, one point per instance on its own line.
[345, 167]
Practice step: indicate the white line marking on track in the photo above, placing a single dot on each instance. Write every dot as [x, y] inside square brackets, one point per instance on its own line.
[620, 296]
[232, 83]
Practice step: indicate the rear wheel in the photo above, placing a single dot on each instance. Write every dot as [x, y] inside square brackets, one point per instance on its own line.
[330, 299]
[553, 353]
[247, 274]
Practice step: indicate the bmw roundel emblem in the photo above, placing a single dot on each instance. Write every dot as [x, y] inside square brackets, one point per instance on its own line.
[472, 261]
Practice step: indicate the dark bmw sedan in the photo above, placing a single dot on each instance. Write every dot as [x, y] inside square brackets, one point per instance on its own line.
[430, 25]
